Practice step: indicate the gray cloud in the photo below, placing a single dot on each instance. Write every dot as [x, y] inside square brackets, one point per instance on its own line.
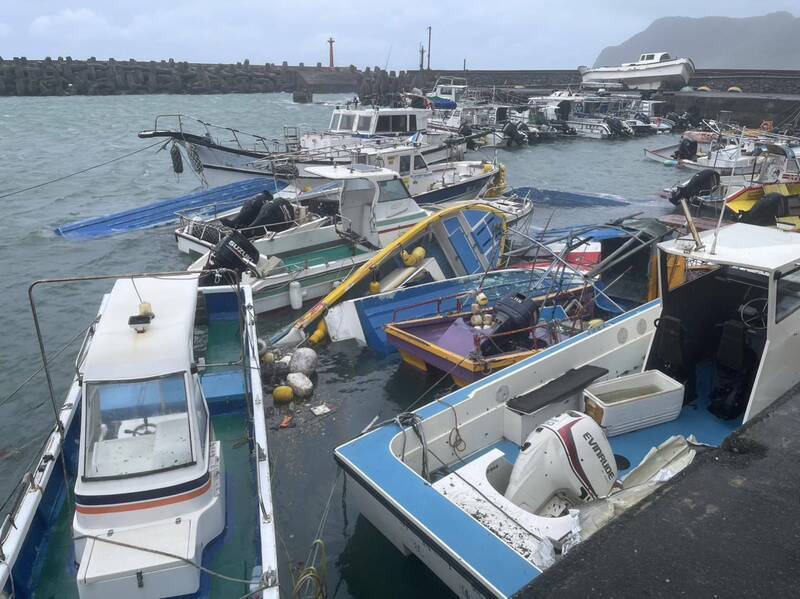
[510, 34]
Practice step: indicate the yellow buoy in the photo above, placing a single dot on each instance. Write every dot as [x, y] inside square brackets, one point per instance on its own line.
[419, 253]
[482, 299]
[374, 287]
[595, 323]
[487, 167]
[408, 260]
[319, 335]
[306, 189]
[282, 394]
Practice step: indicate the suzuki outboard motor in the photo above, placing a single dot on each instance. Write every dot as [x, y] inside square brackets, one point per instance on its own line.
[249, 210]
[701, 183]
[617, 127]
[275, 216]
[235, 252]
[564, 462]
[513, 312]
[514, 135]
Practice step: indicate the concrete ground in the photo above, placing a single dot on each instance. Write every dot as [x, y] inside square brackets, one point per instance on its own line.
[728, 526]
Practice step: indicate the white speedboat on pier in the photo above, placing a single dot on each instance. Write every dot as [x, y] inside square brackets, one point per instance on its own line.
[653, 70]
[492, 484]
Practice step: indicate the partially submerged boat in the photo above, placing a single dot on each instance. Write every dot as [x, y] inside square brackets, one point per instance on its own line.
[318, 207]
[143, 488]
[653, 70]
[490, 485]
[464, 239]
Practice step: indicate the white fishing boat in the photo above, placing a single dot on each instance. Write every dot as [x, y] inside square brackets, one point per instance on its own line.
[217, 161]
[447, 92]
[306, 210]
[143, 488]
[492, 484]
[579, 114]
[653, 70]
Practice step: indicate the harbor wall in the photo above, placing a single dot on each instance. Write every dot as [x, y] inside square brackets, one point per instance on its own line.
[20, 76]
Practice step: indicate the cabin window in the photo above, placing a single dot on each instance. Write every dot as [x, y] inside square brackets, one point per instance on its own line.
[405, 165]
[399, 123]
[412, 122]
[446, 91]
[649, 57]
[419, 163]
[136, 427]
[384, 124]
[788, 298]
[347, 122]
[392, 190]
[335, 121]
[364, 123]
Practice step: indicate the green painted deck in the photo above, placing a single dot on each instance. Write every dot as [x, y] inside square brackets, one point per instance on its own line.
[321, 255]
[224, 342]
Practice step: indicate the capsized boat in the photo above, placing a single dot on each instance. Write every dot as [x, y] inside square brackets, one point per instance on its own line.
[489, 486]
[144, 488]
[653, 70]
[465, 239]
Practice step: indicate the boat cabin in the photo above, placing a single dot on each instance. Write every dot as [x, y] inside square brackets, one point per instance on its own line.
[368, 122]
[653, 57]
[448, 91]
[148, 463]
[368, 196]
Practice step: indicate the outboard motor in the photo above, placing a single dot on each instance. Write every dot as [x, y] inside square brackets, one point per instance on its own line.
[768, 208]
[513, 135]
[275, 216]
[466, 131]
[687, 150]
[701, 183]
[640, 116]
[235, 252]
[617, 127]
[511, 313]
[564, 462]
[249, 210]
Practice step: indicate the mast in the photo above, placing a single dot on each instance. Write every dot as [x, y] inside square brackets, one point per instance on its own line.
[429, 47]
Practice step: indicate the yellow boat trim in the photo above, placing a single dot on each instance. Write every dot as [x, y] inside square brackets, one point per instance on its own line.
[405, 240]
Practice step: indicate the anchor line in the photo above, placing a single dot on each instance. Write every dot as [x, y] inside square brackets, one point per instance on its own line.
[80, 172]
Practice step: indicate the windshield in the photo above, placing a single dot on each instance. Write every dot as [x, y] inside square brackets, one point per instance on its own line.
[136, 427]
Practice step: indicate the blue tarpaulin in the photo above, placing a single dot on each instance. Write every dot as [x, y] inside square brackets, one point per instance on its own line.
[164, 212]
[568, 198]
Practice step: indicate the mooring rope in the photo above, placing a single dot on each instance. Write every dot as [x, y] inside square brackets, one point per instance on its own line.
[57, 179]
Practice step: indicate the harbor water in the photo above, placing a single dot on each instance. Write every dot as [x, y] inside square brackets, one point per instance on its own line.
[44, 138]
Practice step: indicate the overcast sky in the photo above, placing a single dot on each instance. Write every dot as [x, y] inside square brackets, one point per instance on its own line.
[500, 34]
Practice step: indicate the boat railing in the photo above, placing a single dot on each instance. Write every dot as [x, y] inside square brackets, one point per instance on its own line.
[244, 140]
[192, 227]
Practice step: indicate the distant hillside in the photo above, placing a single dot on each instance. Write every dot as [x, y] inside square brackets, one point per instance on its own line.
[769, 42]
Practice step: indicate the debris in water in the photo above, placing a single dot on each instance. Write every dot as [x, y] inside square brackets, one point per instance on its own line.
[320, 410]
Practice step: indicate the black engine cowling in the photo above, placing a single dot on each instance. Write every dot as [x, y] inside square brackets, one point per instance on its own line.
[234, 252]
[511, 313]
[513, 134]
[249, 210]
[769, 207]
[701, 183]
[687, 150]
[275, 216]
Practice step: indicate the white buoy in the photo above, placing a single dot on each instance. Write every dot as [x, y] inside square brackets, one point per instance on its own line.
[295, 295]
[303, 360]
[301, 385]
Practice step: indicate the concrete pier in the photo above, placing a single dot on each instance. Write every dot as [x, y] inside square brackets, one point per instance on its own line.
[728, 526]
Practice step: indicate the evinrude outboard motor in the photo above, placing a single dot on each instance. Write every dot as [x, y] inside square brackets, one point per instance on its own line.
[701, 183]
[275, 216]
[687, 150]
[511, 313]
[234, 252]
[548, 479]
[513, 135]
[249, 210]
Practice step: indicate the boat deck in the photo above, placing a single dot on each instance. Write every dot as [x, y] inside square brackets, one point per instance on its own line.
[236, 551]
[321, 255]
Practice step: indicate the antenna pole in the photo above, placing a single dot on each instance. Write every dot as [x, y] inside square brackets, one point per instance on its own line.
[421, 57]
[330, 43]
[429, 47]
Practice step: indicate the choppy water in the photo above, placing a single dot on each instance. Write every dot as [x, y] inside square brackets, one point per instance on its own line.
[42, 138]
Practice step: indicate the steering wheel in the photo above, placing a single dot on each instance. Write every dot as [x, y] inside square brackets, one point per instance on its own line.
[753, 313]
[146, 428]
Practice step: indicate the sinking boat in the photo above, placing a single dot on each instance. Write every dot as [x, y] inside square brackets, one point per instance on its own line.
[655, 70]
[492, 484]
[428, 184]
[144, 488]
[363, 319]
[456, 241]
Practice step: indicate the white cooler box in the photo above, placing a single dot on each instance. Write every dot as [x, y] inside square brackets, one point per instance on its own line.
[636, 401]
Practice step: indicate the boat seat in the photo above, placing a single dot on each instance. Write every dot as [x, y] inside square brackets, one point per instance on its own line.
[573, 381]
[670, 342]
[731, 350]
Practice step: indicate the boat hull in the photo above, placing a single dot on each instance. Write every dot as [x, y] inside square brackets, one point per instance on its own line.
[645, 76]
